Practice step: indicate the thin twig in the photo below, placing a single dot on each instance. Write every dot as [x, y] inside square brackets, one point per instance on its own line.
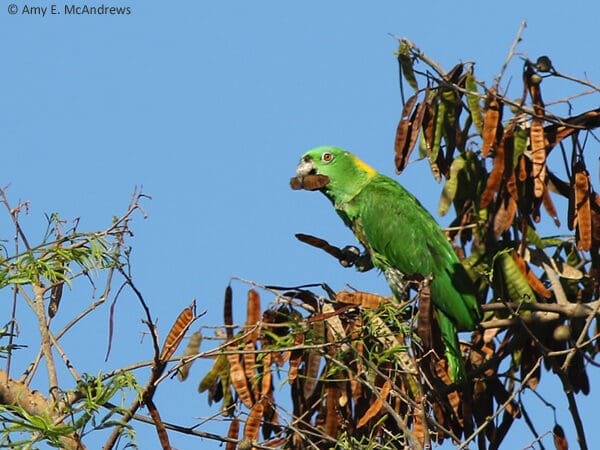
[568, 389]
[135, 405]
[65, 358]
[414, 442]
[14, 216]
[422, 56]
[576, 80]
[502, 407]
[511, 53]
[529, 423]
[582, 336]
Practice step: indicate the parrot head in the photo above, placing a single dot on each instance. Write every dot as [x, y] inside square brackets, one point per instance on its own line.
[346, 173]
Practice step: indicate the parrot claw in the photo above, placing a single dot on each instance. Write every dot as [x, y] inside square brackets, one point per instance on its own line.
[350, 255]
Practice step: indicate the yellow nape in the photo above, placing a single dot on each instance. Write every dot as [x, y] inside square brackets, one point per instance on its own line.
[364, 166]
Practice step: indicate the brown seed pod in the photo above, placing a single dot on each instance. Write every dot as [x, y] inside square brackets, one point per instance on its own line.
[309, 182]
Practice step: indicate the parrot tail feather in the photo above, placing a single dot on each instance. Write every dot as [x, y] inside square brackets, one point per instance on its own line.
[456, 362]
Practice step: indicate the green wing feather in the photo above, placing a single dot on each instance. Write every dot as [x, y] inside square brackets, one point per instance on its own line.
[401, 234]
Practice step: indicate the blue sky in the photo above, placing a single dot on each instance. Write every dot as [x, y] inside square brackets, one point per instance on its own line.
[208, 106]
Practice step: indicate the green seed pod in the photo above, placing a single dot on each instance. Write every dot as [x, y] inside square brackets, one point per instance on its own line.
[543, 64]
[535, 79]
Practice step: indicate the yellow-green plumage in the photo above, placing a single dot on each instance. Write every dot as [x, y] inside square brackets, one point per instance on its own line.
[401, 237]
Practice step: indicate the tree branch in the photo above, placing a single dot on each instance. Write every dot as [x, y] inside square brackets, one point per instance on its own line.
[570, 310]
[46, 341]
[15, 393]
[511, 53]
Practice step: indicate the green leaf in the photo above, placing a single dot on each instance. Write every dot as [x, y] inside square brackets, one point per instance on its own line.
[17, 279]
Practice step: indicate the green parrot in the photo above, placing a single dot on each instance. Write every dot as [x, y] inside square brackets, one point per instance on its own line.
[400, 237]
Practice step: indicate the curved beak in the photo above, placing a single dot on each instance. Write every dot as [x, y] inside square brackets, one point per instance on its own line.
[305, 167]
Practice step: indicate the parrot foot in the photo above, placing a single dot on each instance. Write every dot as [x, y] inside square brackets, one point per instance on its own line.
[351, 256]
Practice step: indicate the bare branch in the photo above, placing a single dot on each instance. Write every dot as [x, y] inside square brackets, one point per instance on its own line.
[490, 419]
[511, 53]
[570, 310]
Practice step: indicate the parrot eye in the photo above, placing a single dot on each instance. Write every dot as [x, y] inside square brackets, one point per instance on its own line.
[327, 157]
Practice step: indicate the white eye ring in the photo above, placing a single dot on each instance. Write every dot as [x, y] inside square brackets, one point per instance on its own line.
[327, 157]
